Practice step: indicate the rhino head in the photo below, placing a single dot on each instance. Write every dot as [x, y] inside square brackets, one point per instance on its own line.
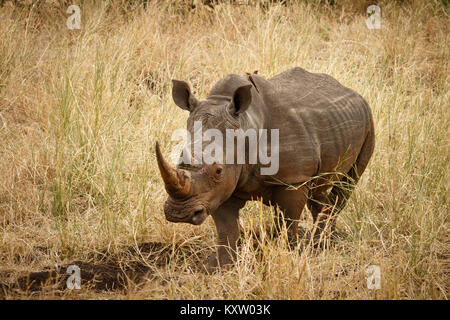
[197, 190]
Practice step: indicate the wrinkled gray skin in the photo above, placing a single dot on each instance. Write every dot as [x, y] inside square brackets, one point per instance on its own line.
[324, 128]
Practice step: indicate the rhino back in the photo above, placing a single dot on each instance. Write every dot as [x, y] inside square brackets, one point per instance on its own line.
[322, 123]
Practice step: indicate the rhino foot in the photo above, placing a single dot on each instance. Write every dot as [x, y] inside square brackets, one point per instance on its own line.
[322, 238]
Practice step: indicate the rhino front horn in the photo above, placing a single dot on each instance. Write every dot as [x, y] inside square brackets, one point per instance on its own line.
[177, 185]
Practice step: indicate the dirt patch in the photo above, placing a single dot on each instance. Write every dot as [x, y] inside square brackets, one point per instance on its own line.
[118, 272]
[107, 272]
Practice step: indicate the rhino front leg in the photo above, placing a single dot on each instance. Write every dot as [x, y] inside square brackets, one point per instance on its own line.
[291, 203]
[226, 219]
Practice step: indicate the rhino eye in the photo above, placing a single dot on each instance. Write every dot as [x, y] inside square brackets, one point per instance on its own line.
[218, 170]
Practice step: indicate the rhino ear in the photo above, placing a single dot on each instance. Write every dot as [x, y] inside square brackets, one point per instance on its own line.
[242, 97]
[182, 95]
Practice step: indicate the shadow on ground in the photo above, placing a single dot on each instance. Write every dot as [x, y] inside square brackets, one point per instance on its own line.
[128, 267]
[105, 271]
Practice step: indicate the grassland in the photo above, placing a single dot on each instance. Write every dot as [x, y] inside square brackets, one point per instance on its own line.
[80, 111]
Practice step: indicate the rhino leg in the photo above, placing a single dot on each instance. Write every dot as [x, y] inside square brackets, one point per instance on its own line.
[316, 204]
[340, 193]
[291, 204]
[226, 219]
[325, 207]
[322, 214]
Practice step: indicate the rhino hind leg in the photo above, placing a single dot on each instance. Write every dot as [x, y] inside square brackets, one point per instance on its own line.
[325, 207]
[342, 190]
[318, 205]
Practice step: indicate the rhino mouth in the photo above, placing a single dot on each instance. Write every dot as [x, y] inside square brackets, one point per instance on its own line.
[183, 213]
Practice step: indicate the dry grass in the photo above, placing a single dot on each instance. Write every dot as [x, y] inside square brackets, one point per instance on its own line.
[80, 111]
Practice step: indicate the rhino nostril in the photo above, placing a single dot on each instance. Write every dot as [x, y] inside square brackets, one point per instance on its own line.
[199, 216]
[197, 212]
